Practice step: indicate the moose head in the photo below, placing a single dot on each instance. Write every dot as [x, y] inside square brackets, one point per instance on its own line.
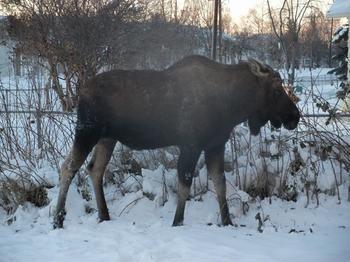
[278, 107]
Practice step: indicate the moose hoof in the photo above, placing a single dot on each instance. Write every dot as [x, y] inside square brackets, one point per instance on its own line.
[227, 222]
[178, 223]
[103, 218]
[58, 219]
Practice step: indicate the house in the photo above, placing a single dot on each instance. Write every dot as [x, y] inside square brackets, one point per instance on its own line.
[339, 9]
[6, 65]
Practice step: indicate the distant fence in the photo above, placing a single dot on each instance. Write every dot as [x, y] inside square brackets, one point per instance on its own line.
[318, 79]
[37, 121]
[34, 115]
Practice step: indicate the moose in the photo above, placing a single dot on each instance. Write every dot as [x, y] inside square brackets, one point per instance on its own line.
[193, 104]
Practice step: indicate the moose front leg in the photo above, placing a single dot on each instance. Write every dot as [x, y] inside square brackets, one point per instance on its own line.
[214, 159]
[185, 167]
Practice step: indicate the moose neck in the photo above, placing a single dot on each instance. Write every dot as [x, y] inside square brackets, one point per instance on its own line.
[247, 96]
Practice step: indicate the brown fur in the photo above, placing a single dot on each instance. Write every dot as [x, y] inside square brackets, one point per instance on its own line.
[193, 104]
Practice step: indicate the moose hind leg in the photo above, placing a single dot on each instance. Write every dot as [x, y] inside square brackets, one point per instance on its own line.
[214, 159]
[69, 168]
[82, 146]
[185, 167]
[97, 166]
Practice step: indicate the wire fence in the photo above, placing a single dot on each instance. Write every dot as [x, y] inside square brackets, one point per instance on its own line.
[35, 132]
[37, 109]
[35, 112]
[33, 128]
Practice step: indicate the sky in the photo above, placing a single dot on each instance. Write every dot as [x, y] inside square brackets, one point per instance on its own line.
[239, 8]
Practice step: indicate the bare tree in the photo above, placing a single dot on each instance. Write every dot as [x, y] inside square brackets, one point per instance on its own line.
[73, 37]
[315, 39]
[168, 10]
[256, 21]
[287, 22]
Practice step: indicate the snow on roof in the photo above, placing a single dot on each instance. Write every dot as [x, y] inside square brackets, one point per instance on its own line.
[340, 32]
[340, 8]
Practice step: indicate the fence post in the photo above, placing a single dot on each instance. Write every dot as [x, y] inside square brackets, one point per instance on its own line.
[38, 115]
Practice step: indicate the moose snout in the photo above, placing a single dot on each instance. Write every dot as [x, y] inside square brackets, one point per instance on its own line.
[296, 114]
[293, 119]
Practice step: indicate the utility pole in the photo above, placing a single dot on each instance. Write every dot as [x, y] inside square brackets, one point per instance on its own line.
[220, 32]
[215, 30]
[330, 46]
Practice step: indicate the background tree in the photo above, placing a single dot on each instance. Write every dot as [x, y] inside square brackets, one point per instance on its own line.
[76, 37]
[287, 23]
[315, 39]
[257, 20]
[340, 40]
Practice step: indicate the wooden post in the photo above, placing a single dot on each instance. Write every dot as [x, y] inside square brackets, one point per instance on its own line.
[38, 116]
[330, 46]
[215, 30]
[348, 74]
[176, 18]
[220, 31]
[17, 61]
[39, 129]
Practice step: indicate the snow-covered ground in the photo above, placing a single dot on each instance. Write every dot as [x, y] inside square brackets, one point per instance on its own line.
[143, 233]
[140, 230]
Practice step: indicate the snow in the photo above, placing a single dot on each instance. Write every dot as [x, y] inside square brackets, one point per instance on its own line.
[314, 72]
[143, 232]
[340, 33]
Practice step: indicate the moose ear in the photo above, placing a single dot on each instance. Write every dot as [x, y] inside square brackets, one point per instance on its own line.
[258, 68]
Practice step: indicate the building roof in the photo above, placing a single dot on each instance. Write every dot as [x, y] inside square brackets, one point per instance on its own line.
[340, 8]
